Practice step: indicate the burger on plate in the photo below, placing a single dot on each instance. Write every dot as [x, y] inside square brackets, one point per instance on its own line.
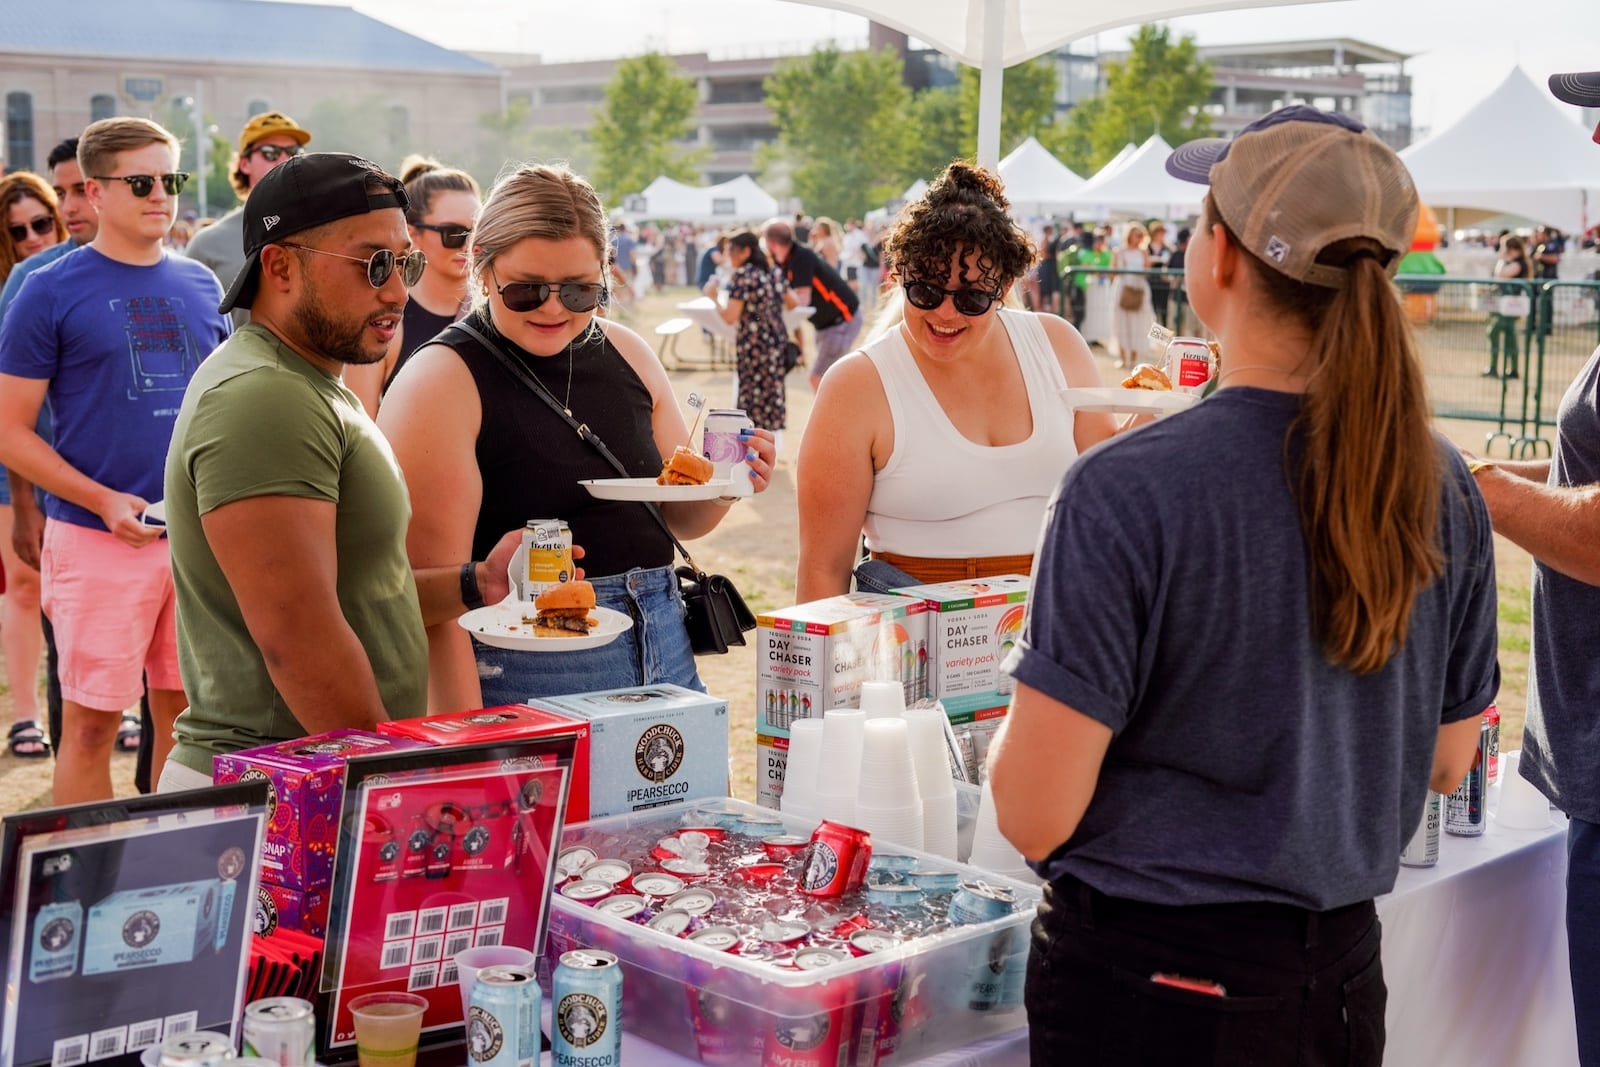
[1145, 376]
[685, 467]
[564, 610]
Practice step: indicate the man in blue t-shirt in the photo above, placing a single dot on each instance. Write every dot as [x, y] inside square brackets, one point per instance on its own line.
[1551, 507]
[111, 335]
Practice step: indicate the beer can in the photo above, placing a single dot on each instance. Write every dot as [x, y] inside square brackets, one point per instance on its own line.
[1492, 717]
[657, 884]
[280, 1029]
[587, 892]
[979, 902]
[623, 906]
[722, 445]
[837, 861]
[893, 896]
[586, 1010]
[813, 1028]
[1188, 364]
[932, 881]
[571, 862]
[674, 923]
[503, 1018]
[696, 901]
[1466, 810]
[612, 872]
[200, 1048]
[783, 846]
[725, 1033]
[1423, 848]
[879, 994]
[548, 543]
[716, 938]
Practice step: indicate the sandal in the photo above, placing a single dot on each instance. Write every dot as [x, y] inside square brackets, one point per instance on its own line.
[27, 741]
[128, 734]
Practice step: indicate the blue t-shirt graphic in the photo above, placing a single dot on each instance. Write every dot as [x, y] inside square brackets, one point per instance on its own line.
[118, 343]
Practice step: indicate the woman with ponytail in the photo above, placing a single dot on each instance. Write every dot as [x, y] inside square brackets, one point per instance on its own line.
[1260, 630]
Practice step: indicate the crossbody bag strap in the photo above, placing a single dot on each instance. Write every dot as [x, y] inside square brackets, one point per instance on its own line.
[525, 376]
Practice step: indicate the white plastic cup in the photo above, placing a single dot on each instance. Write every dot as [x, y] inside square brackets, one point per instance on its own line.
[888, 776]
[839, 768]
[470, 961]
[930, 755]
[882, 699]
[1522, 807]
[939, 825]
[898, 825]
[800, 774]
[990, 850]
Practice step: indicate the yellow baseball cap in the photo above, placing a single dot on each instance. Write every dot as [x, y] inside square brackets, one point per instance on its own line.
[268, 123]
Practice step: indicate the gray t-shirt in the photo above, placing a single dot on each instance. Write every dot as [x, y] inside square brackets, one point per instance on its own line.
[1170, 603]
[1561, 737]
[220, 246]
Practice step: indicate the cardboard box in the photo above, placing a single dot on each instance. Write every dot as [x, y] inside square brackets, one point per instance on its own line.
[813, 657]
[154, 927]
[278, 908]
[650, 745]
[510, 722]
[772, 762]
[306, 776]
[971, 629]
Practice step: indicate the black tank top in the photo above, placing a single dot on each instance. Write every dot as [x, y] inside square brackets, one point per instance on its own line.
[531, 460]
[418, 326]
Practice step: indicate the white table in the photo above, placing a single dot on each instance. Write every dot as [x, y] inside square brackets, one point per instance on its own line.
[706, 314]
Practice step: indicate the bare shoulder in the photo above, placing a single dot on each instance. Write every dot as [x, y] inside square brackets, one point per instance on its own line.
[852, 388]
[433, 395]
[432, 367]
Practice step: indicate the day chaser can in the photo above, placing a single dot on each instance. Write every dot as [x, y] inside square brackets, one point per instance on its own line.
[201, 1048]
[1466, 810]
[586, 1010]
[837, 861]
[502, 1019]
[1423, 848]
[1188, 364]
[548, 543]
[722, 445]
[280, 1029]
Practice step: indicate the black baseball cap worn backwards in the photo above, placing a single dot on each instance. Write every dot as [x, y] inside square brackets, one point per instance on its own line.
[307, 191]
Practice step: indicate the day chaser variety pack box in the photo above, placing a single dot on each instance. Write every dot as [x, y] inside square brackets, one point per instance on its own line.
[974, 720]
[972, 626]
[650, 745]
[511, 722]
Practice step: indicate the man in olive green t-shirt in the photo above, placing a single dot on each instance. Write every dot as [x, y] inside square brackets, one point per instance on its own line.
[298, 610]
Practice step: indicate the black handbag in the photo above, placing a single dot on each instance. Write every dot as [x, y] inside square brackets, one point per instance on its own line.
[716, 616]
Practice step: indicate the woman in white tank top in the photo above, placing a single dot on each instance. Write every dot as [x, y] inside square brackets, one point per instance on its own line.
[945, 438]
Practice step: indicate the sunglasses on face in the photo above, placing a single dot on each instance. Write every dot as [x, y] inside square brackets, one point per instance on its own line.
[142, 185]
[451, 234]
[40, 226]
[274, 152]
[380, 265]
[575, 296]
[969, 302]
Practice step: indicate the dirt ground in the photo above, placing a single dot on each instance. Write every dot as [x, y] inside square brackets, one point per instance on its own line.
[756, 546]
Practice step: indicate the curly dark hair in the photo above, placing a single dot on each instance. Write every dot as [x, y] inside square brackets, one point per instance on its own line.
[965, 213]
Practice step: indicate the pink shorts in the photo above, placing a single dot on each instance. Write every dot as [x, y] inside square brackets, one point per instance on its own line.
[113, 611]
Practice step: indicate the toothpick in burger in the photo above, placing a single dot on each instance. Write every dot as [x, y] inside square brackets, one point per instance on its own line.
[685, 467]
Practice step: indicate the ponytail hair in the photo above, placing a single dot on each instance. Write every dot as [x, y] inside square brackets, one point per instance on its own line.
[1364, 465]
[748, 241]
[425, 177]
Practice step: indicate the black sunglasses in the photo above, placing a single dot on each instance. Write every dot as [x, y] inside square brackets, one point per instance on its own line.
[271, 152]
[451, 234]
[575, 296]
[969, 302]
[40, 226]
[381, 264]
[142, 185]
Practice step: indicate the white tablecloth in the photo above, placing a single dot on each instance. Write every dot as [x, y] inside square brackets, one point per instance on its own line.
[704, 313]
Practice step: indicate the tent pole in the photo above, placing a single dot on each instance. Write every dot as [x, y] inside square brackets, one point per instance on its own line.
[990, 77]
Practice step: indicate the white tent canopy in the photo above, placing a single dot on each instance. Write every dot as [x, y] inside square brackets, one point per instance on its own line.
[1036, 181]
[1140, 186]
[1516, 151]
[739, 200]
[1115, 163]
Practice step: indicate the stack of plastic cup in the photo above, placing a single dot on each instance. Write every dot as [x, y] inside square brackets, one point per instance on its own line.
[800, 774]
[839, 767]
[930, 755]
[990, 850]
[1522, 807]
[882, 699]
[888, 803]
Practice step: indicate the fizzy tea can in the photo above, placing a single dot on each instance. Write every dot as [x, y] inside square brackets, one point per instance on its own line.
[1423, 848]
[502, 1018]
[1188, 364]
[200, 1048]
[722, 445]
[280, 1029]
[548, 543]
[586, 1010]
[1466, 810]
[1492, 717]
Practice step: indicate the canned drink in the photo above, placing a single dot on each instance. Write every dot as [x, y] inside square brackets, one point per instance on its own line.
[724, 1027]
[893, 864]
[813, 1028]
[503, 1018]
[784, 846]
[1188, 364]
[879, 995]
[867, 942]
[571, 862]
[760, 826]
[657, 884]
[1492, 717]
[674, 922]
[586, 1010]
[933, 882]
[200, 1048]
[778, 932]
[612, 872]
[623, 905]
[758, 873]
[893, 895]
[684, 867]
[587, 892]
[716, 938]
[837, 860]
[1465, 810]
[1423, 848]
[694, 901]
[979, 902]
[282, 1030]
[548, 543]
[722, 445]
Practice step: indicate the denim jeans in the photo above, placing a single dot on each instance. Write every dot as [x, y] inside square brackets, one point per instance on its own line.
[655, 650]
[881, 576]
[1583, 934]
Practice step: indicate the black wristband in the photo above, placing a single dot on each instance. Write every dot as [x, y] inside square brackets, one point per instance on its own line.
[471, 595]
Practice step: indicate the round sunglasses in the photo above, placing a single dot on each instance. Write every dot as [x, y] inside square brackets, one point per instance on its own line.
[575, 296]
[380, 265]
[40, 226]
[970, 302]
[273, 152]
[451, 234]
[142, 185]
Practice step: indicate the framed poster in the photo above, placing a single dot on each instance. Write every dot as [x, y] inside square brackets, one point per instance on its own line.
[127, 922]
[440, 850]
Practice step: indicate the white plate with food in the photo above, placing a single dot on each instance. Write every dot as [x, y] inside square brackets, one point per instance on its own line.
[564, 620]
[1115, 398]
[650, 489]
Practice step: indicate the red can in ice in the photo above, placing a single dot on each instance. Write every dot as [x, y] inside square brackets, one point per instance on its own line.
[836, 861]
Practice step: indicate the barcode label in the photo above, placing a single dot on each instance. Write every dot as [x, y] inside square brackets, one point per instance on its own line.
[427, 950]
[399, 924]
[106, 1043]
[448, 974]
[493, 912]
[431, 920]
[423, 978]
[489, 935]
[395, 954]
[463, 916]
[457, 943]
[70, 1052]
[180, 1024]
[144, 1034]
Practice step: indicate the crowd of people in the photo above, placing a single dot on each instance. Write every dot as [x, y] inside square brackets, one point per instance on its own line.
[346, 451]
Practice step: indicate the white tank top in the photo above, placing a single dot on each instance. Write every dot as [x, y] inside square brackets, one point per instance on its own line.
[940, 495]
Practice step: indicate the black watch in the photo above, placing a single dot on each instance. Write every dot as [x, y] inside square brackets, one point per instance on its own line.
[471, 595]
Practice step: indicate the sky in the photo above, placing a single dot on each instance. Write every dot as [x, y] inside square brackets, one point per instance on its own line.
[1462, 48]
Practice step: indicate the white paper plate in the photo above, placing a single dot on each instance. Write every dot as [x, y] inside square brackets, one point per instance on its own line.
[501, 626]
[1114, 398]
[647, 489]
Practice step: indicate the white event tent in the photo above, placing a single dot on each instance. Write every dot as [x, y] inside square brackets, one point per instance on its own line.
[1037, 183]
[1516, 151]
[1140, 186]
[738, 200]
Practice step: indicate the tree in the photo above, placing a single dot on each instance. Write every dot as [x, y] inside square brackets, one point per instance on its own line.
[1160, 88]
[1027, 103]
[842, 129]
[641, 125]
[936, 115]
